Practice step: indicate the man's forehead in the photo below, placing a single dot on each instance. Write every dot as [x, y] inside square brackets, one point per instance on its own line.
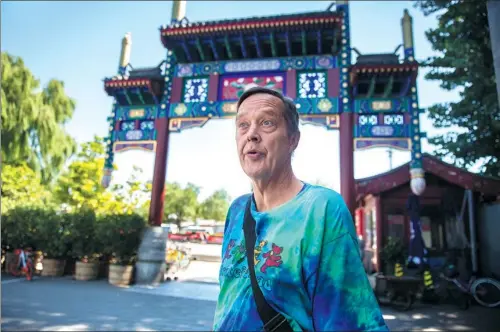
[262, 103]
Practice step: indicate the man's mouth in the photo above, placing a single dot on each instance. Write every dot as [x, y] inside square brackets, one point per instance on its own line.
[253, 153]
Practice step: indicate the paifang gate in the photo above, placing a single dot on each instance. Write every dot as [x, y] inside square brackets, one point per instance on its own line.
[372, 102]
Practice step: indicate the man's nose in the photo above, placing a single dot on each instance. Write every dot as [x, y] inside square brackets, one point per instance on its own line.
[253, 134]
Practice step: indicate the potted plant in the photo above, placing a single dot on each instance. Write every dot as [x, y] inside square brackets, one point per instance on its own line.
[84, 246]
[18, 226]
[52, 240]
[393, 252]
[120, 235]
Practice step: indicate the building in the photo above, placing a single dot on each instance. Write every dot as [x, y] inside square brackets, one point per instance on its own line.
[446, 214]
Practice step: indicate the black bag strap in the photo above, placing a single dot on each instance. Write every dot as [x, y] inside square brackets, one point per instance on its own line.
[273, 321]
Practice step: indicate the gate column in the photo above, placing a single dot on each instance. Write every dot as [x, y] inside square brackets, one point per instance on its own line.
[160, 171]
[347, 188]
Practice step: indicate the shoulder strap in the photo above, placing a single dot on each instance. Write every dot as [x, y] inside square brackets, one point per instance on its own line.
[273, 321]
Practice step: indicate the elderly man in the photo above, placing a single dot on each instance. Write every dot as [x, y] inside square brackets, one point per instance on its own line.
[290, 258]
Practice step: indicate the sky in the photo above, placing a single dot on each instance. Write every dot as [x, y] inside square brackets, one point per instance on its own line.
[79, 44]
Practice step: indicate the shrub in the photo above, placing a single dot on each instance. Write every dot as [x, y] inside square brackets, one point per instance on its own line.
[82, 238]
[120, 236]
[19, 227]
[51, 235]
[394, 251]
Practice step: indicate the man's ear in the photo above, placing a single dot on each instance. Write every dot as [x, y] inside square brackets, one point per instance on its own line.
[294, 141]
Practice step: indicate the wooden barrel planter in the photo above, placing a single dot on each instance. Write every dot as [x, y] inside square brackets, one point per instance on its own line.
[53, 267]
[9, 257]
[120, 275]
[86, 271]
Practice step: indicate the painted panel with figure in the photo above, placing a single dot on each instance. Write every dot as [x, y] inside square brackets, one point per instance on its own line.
[232, 87]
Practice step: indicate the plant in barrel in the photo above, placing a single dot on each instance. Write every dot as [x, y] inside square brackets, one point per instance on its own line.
[84, 246]
[120, 237]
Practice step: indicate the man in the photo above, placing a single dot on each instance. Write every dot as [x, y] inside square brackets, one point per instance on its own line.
[306, 257]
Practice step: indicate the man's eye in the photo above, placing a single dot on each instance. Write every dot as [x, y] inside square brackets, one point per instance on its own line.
[268, 123]
[242, 125]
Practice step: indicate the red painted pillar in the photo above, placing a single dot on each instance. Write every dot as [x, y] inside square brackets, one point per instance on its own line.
[159, 175]
[347, 189]
[379, 230]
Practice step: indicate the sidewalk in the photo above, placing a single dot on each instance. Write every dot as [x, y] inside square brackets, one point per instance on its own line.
[62, 304]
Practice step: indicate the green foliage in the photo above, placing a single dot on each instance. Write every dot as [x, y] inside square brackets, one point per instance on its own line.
[19, 227]
[21, 186]
[82, 235]
[180, 203]
[136, 195]
[465, 62]
[51, 234]
[215, 206]
[79, 187]
[120, 236]
[394, 251]
[32, 126]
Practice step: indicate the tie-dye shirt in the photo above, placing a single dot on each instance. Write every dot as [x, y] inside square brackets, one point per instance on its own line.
[307, 264]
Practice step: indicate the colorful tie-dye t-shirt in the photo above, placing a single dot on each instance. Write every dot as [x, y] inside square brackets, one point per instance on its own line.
[307, 265]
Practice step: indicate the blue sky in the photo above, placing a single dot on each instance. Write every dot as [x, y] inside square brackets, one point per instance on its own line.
[79, 43]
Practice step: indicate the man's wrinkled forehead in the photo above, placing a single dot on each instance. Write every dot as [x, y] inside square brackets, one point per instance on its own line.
[267, 104]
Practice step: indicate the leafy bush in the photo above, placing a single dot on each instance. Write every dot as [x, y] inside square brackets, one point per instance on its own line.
[82, 238]
[120, 236]
[51, 235]
[19, 227]
[394, 251]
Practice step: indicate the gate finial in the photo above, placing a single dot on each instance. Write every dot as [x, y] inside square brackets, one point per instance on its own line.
[178, 10]
[407, 25]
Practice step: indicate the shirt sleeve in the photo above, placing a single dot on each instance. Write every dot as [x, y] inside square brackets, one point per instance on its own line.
[342, 297]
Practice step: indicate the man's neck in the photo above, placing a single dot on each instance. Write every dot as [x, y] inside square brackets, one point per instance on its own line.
[271, 193]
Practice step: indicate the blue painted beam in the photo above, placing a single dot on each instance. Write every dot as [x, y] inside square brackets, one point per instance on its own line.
[243, 47]
[257, 45]
[228, 47]
[335, 41]
[406, 87]
[318, 37]
[288, 44]
[388, 87]
[200, 49]
[124, 92]
[214, 49]
[273, 44]
[137, 91]
[146, 90]
[186, 50]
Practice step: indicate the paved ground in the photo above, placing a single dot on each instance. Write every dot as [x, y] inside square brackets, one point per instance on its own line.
[67, 305]
[62, 304]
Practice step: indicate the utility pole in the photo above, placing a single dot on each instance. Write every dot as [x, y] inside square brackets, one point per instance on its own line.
[493, 7]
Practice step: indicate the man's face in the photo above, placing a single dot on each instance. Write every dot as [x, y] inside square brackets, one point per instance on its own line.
[264, 146]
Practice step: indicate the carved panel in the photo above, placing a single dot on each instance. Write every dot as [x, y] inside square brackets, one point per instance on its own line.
[231, 88]
[396, 143]
[195, 90]
[311, 84]
[377, 105]
[260, 65]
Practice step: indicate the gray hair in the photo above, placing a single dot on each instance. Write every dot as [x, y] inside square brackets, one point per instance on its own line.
[289, 112]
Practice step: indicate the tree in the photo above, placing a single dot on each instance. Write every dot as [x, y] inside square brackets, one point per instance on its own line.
[21, 186]
[136, 193]
[215, 206]
[181, 204]
[465, 62]
[79, 186]
[33, 121]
